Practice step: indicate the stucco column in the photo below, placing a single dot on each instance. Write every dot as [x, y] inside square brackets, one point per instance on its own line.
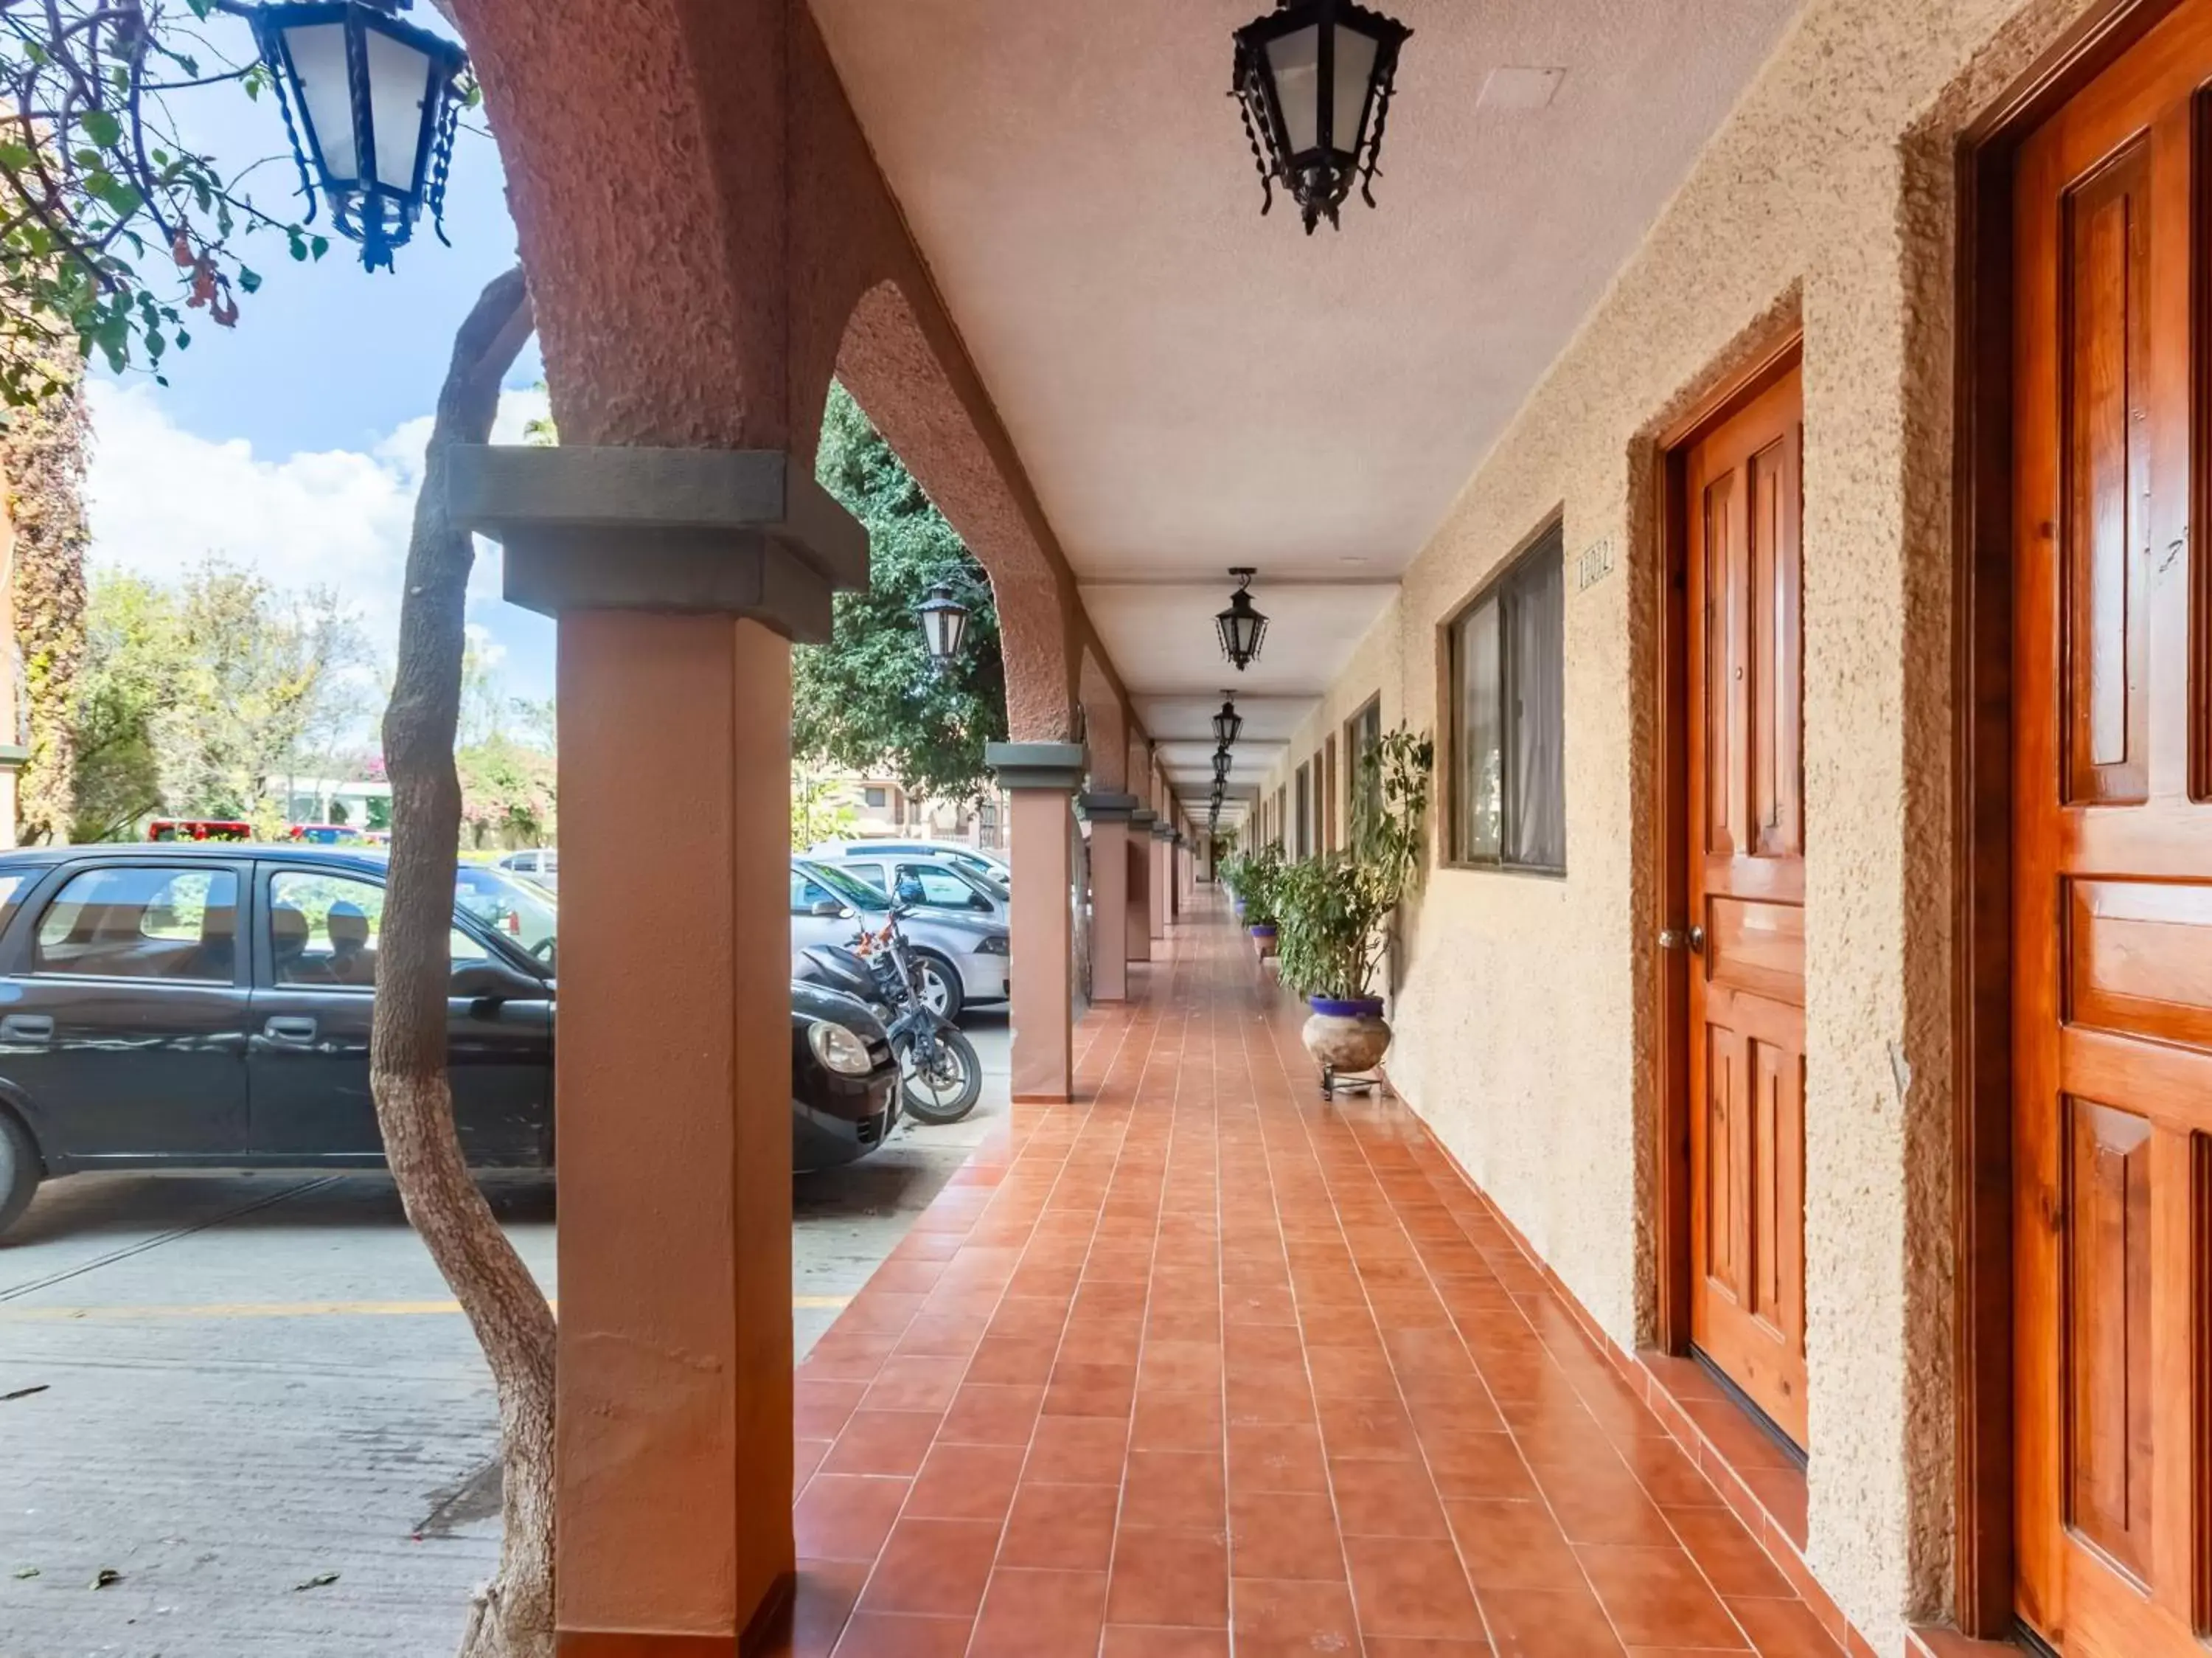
[1110, 893]
[1139, 927]
[680, 579]
[1041, 778]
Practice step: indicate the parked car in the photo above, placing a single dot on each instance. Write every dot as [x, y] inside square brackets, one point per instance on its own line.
[944, 883]
[962, 958]
[541, 864]
[989, 865]
[209, 1007]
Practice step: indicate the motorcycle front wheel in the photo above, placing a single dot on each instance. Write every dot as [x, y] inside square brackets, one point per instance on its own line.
[946, 1089]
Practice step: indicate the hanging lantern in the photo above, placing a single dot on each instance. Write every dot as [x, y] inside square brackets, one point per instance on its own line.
[1242, 627]
[376, 102]
[1221, 765]
[944, 623]
[1313, 81]
[1228, 723]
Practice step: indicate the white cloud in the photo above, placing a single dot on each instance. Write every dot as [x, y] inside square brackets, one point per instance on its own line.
[161, 499]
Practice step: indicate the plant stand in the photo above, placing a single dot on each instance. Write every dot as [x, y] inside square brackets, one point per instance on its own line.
[1354, 1083]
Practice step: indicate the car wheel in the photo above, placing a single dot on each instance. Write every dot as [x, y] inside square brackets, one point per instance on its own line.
[20, 1169]
[939, 981]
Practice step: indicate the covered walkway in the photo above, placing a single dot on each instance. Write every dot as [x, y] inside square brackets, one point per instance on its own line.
[1199, 1364]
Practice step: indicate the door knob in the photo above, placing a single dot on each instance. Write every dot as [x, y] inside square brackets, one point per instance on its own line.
[1692, 938]
[290, 1028]
[27, 1028]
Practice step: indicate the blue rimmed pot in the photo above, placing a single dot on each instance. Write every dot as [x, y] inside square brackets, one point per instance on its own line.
[1347, 1036]
[1263, 937]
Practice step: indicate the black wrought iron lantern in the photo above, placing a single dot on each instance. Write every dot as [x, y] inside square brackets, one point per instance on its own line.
[376, 101]
[1313, 80]
[1241, 628]
[1227, 724]
[1221, 764]
[944, 623]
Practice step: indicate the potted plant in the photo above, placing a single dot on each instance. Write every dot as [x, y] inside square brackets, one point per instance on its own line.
[1260, 874]
[1333, 912]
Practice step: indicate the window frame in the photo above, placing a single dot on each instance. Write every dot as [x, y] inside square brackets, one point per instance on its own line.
[1511, 573]
[1357, 741]
[35, 903]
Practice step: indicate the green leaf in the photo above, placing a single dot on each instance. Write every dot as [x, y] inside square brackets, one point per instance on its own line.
[248, 279]
[319, 244]
[102, 128]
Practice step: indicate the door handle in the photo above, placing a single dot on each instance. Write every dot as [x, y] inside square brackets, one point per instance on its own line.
[1691, 938]
[27, 1028]
[290, 1028]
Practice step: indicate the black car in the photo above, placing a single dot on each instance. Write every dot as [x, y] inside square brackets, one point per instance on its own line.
[168, 1006]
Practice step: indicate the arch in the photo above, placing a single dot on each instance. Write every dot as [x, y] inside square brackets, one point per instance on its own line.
[888, 361]
[1106, 723]
[709, 307]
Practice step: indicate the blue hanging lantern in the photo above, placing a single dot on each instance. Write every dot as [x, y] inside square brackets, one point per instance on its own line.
[376, 102]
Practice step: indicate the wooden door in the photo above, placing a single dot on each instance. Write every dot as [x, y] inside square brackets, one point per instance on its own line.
[1746, 895]
[2113, 863]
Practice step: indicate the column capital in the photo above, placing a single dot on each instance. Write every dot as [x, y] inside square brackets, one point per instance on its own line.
[1108, 808]
[1054, 766]
[1163, 830]
[1143, 818]
[720, 532]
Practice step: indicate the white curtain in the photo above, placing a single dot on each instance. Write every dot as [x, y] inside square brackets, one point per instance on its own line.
[1538, 824]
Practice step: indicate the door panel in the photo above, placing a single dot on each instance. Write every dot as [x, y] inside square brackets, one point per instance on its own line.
[2112, 866]
[1746, 885]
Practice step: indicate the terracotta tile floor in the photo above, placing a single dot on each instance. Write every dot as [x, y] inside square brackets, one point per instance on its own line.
[1204, 1366]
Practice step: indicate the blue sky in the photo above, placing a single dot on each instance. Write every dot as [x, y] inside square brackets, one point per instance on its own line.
[293, 442]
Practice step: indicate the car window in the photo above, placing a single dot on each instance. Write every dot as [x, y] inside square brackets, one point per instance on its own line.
[843, 887]
[523, 910]
[941, 886]
[871, 872]
[11, 894]
[805, 894]
[324, 930]
[136, 923]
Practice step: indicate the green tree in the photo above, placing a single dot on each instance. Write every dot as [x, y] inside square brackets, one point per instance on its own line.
[197, 698]
[507, 793]
[870, 700]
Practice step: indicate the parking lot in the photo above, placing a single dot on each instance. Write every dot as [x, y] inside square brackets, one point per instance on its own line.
[251, 1399]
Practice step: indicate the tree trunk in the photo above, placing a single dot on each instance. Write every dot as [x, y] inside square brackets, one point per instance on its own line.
[512, 1617]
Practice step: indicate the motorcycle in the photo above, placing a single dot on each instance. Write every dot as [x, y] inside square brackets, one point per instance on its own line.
[942, 1074]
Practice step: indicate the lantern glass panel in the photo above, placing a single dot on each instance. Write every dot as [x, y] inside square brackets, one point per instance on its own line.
[317, 52]
[1294, 60]
[1355, 67]
[399, 78]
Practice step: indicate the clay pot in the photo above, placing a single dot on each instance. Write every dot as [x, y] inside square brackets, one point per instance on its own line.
[1346, 1037]
[1263, 935]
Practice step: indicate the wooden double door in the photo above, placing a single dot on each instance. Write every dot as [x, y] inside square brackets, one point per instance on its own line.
[2112, 859]
[1745, 840]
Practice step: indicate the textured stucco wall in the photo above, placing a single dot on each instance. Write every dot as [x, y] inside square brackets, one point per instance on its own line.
[1523, 1029]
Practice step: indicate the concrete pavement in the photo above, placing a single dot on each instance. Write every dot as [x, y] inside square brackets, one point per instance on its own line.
[248, 1383]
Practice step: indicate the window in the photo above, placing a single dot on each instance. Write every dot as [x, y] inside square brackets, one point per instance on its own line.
[1302, 841]
[1282, 813]
[1508, 718]
[946, 888]
[1329, 842]
[323, 930]
[1362, 735]
[871, 873]
[876, 799]
[133, 923]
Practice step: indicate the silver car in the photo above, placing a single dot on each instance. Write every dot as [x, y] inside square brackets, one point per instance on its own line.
[989, 865]
[961, 956]
[541, 864]
[946, 882]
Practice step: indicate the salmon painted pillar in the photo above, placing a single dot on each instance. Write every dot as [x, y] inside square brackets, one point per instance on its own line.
[1140, 884]
[1042, 779]
[1110, 893]
[679, 581]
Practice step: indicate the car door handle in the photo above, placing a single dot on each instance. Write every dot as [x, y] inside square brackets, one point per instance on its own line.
[290, 1028]
[27, 1028]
